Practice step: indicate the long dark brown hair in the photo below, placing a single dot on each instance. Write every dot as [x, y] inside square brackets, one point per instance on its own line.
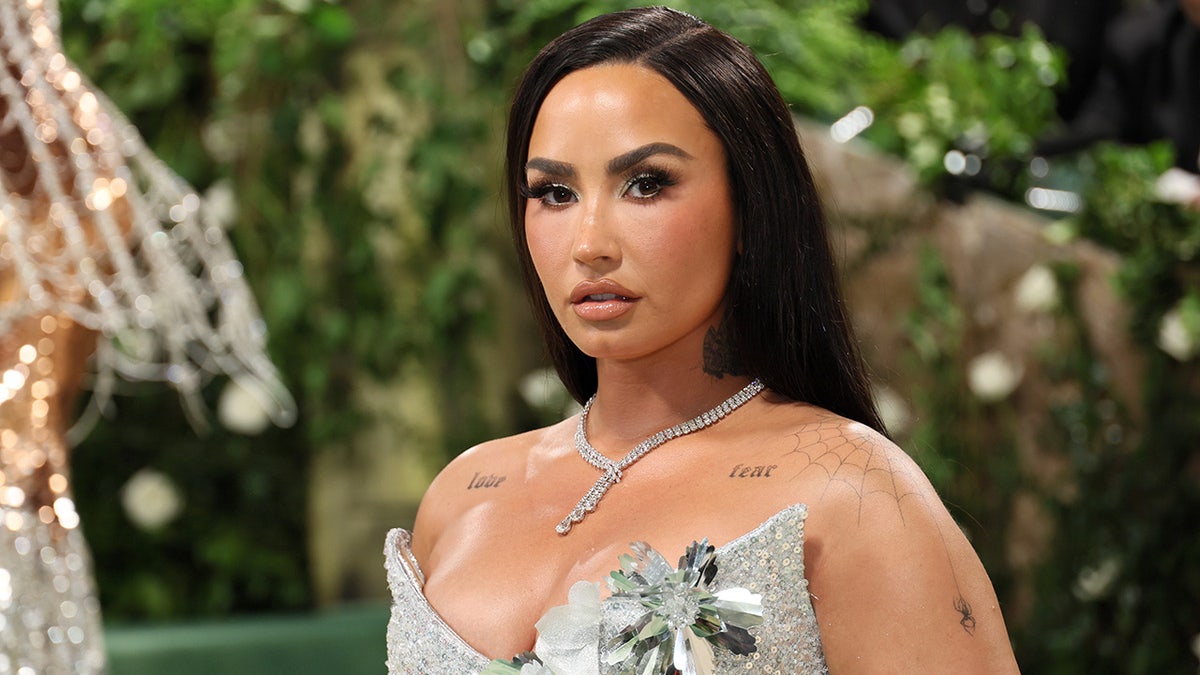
[785, 321]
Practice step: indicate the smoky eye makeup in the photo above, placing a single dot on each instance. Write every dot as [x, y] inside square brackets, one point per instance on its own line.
[642, 182]
[647, 181]
[547, 191]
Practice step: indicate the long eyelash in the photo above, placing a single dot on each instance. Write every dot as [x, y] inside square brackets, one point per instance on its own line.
[662, 175]
[539, 189]
[535, 191]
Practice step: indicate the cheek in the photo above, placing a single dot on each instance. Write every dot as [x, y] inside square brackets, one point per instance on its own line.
[699, 236]
[545, 249]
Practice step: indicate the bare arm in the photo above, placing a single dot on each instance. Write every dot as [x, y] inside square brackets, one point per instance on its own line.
[895, 584]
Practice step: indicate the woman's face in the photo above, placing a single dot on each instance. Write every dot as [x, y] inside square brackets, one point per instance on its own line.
[629, 217]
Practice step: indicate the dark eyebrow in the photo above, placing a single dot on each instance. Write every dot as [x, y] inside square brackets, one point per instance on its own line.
[622, 163]
[617, 165]
[551, 167]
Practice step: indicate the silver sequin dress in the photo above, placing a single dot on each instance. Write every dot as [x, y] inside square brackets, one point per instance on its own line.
[768, 560]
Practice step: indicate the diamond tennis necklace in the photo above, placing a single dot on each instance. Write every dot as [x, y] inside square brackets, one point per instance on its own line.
[613, 470]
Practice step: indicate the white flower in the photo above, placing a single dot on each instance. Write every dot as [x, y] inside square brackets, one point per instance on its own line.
[1196, 645]
[220, 142]
[1037, 290]
[221, 203]
[568, 639]
[1094, 582]
[1177, 186]
[569, 635]
[1174, 337]
[893, 410]
[540, 387]
[992, 376]
[544, 392]
[151, 499]
[241, 411]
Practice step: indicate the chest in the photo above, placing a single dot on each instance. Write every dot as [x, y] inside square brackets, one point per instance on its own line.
[767, 560]
[495, 571]
[500, 567]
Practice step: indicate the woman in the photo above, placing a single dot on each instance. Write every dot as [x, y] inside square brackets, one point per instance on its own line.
[677, 259]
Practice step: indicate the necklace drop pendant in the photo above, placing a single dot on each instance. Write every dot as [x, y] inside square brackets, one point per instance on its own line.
[613, 471]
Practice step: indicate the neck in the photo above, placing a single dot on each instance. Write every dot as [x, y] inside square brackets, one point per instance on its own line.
[634, 401]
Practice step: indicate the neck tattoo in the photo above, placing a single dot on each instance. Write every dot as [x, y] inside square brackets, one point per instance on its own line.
[613, 470]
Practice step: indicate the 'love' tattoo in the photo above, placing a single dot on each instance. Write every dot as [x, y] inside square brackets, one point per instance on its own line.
[489, 481]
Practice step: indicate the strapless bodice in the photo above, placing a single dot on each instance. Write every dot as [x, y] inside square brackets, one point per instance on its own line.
[768, 560]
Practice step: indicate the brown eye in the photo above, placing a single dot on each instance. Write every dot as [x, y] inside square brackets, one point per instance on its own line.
[551, 194]
[558, 195]
[649, 184]
[645, 187]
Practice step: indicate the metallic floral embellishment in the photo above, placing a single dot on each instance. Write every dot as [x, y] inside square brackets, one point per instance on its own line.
[683, 623]
[684, 619]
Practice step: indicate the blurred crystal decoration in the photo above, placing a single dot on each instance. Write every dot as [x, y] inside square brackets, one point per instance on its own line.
[852, 124]
[1046, 199]
[957, 163]
[104, 253]
[95, 227]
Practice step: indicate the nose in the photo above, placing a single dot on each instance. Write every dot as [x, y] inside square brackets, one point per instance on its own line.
[596, 243]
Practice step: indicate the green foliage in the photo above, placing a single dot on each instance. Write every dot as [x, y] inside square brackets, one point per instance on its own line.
[238, 543]
[363, 196]
[935, 328]
[362, 142]
[961, 444]
[1130, 524]
[985, 99]
[1122, 211]
[808, 46]
[1159, 241]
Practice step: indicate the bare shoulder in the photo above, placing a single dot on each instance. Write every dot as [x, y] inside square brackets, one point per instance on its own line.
[895, 584]
[481, 473]
[866, 474]
[841, 465]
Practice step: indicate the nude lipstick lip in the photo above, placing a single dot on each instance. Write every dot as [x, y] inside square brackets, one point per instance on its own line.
[601, 300]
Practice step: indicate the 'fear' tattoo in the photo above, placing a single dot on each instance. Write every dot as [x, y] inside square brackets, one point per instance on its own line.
[754, 471]
[490, 480]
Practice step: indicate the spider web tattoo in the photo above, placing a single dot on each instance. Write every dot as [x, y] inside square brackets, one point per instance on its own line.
[857, 462]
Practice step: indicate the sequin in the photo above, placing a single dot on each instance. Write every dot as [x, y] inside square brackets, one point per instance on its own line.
[43, 602]
[420, 642]
[65, 270]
